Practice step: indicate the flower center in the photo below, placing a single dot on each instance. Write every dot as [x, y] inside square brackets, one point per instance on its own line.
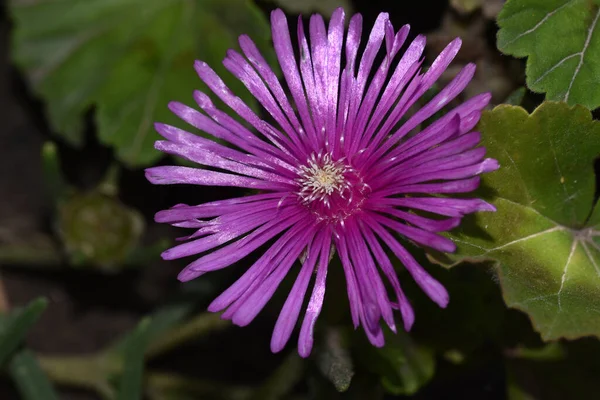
[321, 178]
[329, 188]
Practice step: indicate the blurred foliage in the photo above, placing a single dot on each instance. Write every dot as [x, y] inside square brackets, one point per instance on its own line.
[127, 59]
[564, 69]
[324, 7]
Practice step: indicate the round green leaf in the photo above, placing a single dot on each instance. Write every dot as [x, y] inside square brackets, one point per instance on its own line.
[128, 59]
[561, 39]
[547, 247]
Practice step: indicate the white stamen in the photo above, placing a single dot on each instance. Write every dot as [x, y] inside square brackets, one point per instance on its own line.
[320, 178]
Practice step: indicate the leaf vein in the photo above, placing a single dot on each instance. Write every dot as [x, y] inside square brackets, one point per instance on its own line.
[589, 254]
[542, 21]
[563, 279]
[582, 55]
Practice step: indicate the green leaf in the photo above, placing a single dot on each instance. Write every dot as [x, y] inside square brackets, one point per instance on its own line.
[133, 363]
[127, 58]
[547, 249]
[29, 378]
[324, 7]
[403, 365]
[561, 40]
[15, 326]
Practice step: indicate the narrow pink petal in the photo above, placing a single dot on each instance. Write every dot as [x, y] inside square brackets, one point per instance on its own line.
[291, 309]
[257, 272]
[169, 175]
[242, 70]
[335, 39]
[184, 212]
[373, 45]
[253, 54]
[305, 340]
[458, 186]
[231, 253]
[211, 159]
[412, 170]
[347, 82]
[368, 274]
[440, 205]
[318, 47]
[453, 89]
[351, 280]
[285, 54]
[427, 224]
[249, 305]
[428, 284]
[487, 165]
[370, 100]
[408, 315]
[220, 234]
[216, 84]
[189, 139]
[420, 236]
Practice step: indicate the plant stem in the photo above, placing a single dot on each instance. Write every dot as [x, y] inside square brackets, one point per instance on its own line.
[39, 251]
[87, 372]
[160, 385]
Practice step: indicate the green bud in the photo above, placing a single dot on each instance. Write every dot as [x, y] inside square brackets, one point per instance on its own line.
[98, 229]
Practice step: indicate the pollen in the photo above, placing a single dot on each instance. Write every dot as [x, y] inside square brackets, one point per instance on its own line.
[321, 177]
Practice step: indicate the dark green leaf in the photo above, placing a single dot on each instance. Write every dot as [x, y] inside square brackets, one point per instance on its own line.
[548, 251]
[14, 327]
[127, 58]
[131, 387]
[561, 40]
[29, 377]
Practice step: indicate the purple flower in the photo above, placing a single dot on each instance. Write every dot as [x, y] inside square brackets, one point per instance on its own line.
[336, 172]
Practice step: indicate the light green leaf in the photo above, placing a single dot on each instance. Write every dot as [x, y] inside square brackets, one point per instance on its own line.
[128, 59]
[29, 378]
[562, 42]
[547, 248]
[15, 326]
[324, 7]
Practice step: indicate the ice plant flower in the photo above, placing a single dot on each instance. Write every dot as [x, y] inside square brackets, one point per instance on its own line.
[335, 173]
